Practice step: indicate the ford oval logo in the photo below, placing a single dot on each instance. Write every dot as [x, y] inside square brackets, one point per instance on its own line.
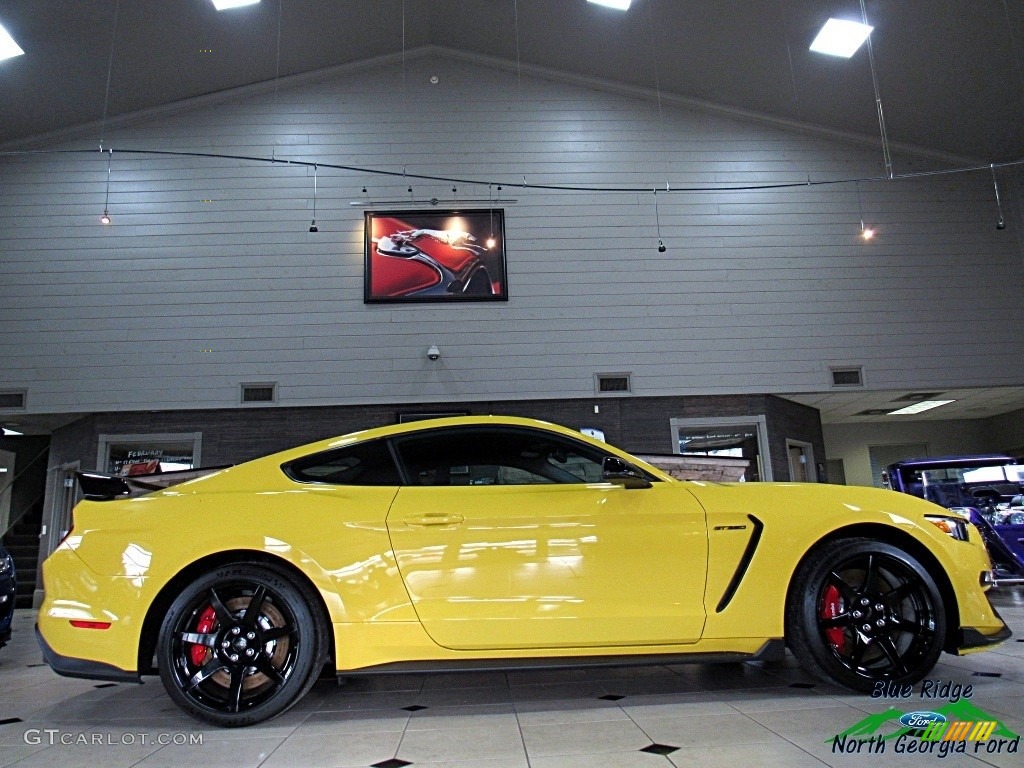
[921, 719]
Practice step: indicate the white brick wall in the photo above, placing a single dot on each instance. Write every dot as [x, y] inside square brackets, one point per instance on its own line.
[758, 291]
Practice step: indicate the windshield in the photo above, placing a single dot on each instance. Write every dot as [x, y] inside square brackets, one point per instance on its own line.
[955, 486]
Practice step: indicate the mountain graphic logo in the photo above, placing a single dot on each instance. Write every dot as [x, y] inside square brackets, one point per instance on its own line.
[886, 725]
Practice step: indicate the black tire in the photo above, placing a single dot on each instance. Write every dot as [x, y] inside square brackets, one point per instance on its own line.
[227, 664]
[862, 611]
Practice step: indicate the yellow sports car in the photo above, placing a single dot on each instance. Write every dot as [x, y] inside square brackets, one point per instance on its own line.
[492, 542]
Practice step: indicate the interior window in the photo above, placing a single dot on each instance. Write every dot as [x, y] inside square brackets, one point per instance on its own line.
[496, 456]
[367, 463]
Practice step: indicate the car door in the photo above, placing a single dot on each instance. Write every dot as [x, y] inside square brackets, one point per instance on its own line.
[507, 538]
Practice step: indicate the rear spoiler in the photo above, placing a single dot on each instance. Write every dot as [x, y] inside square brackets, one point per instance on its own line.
[98, 486]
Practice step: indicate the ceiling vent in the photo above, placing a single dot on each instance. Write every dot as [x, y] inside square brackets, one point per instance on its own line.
[874, 412]
[847, 377]
[13, 401]
[612, 383]
[917, 397]
[259, 393]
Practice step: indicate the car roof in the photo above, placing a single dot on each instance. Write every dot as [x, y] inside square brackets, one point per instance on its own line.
[445, 421]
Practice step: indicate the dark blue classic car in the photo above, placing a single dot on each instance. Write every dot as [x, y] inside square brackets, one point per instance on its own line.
[988, 490]
[7, 589]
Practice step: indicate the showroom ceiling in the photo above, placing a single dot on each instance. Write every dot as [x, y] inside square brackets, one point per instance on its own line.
[874, 406]
[949, 72]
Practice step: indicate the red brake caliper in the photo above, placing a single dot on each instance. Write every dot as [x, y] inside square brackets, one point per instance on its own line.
[831, 606]
[207, 621]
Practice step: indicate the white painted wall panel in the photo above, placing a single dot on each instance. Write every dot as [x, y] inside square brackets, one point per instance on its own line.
[208, 276]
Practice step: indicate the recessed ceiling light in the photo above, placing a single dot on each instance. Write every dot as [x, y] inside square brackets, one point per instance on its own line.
[8, 48]
[224, 5]
[619, 5]
[924, 405]
[840, 37]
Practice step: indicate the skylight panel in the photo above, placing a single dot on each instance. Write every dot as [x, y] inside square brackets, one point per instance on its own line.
[924, 405]
[8, 48]
[619, 5]
[840, 37]
[224, 5]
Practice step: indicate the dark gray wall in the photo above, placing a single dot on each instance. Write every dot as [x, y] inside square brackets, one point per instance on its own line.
[637, 424]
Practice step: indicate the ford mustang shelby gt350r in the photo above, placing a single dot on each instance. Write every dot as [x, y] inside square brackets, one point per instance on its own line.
[492, 542]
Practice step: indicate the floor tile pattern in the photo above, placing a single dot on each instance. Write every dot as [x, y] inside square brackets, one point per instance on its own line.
[772, 715]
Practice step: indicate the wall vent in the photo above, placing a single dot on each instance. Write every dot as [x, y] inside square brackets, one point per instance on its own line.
[263, 392]
[13, 401]
[847, 377]
[612, 383]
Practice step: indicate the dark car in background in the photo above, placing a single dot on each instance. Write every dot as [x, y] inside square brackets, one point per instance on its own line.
[7, 589]
[986, 489]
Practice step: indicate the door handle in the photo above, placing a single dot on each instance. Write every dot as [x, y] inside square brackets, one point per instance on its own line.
[434, 518]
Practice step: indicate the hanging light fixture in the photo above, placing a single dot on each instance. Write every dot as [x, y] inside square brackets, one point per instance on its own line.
[866, 232]
[491, 241]
[1001, 223]
[657, 223]
[105, 218]
[312, 224]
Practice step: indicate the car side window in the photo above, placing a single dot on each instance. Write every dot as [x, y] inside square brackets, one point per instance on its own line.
[368, 463]
[496, 456]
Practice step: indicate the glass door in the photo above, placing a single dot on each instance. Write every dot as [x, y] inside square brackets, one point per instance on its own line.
[131, 455]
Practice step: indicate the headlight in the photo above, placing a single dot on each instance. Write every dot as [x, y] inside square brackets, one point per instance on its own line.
[952, 526]
[6, 565]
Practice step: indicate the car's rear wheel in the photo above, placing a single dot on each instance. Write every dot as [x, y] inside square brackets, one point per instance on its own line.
[240, 645]
[863, 611]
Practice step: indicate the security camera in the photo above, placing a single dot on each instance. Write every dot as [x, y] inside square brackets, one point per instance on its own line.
[433, 353]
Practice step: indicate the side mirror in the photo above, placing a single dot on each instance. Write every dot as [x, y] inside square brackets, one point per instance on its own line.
[615, 470]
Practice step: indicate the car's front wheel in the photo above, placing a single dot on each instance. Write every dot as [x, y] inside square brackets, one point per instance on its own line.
[240, 644]
[862, 611]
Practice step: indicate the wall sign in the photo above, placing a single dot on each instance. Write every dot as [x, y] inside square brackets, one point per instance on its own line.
[435, 256]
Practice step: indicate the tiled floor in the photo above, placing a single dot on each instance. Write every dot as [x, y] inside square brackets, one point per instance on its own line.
[714, 715]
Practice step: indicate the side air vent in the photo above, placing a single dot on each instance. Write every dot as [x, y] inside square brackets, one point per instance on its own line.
[846, 378]
[612, 383]
[13, 401]
[259, 393]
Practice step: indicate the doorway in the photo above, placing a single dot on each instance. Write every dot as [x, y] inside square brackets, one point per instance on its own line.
[801, 462]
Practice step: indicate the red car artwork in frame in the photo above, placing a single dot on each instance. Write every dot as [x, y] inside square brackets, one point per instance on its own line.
[435, 256]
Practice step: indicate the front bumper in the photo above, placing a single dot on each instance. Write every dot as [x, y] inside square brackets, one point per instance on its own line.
[973, 639]
[6, 614]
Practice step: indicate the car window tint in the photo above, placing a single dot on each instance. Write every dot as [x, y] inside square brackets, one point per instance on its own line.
[496, 456]
[367, 463]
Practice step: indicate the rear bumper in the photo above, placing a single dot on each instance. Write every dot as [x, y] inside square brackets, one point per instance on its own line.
[83, 668]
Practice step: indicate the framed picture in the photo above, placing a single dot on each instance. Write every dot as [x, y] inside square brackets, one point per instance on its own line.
[435, 256]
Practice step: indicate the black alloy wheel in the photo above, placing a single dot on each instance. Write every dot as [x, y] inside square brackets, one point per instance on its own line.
[863, 611]
[240, 645]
